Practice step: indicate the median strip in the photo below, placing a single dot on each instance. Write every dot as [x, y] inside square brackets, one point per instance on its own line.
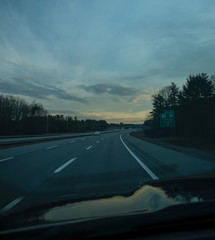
[65, 165]
[151, 174]
[22, 140]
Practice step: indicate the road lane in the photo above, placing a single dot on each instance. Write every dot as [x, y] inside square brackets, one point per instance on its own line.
[88, 166]
[106, 168]
[20, 150]
[30, 168]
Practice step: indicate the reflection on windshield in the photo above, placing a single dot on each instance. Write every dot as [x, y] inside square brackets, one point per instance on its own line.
[145, 199]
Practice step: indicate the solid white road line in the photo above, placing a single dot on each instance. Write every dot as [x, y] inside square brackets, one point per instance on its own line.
[52, 147]
[5, 159]
[151, 174]
[65, 165]
[88, 147]
[11, 204]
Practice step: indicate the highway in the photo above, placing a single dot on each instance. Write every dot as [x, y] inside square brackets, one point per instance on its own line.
[74, 168]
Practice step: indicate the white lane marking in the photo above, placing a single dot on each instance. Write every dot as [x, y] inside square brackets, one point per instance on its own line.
[5, 159]
[88, 147]
[72, 141]
[51, 147]
[65, 165]
[97, 142]
[11, 204]
[151, 174]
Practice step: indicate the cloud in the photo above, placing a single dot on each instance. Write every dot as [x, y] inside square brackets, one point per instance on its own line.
[122, 94]
[138, 78]
[30, 87]
[48, 48]
[111, 89]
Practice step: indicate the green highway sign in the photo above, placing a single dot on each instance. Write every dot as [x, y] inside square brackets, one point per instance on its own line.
[167, 118]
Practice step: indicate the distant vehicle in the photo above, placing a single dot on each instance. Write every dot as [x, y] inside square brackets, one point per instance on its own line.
[96, 133]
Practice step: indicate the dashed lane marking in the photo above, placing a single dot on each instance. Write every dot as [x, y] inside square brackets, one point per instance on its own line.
[51, 147]
[11, 204]
[6, 159]
[65, 165]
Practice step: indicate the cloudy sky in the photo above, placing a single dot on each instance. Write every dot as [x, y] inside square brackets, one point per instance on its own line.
[102, 59]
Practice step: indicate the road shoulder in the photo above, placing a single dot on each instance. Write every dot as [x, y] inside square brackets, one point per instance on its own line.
[187, 150]
[170, 163]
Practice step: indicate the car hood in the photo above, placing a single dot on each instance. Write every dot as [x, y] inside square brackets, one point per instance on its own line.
[148, 198]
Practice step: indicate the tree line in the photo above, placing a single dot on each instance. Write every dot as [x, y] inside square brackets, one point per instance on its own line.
[17, 117]
[194, 107]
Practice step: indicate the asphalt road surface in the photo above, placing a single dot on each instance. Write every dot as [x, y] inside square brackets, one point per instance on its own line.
[113, 163]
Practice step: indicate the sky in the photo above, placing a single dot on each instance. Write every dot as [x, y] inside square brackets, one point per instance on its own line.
[102, 59]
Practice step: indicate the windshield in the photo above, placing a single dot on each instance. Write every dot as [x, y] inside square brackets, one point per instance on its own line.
[100, 98]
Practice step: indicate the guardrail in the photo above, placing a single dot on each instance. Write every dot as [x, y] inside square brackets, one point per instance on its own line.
[19, 140]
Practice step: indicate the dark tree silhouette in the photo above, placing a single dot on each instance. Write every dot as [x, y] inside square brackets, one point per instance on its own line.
[194, 109]
[197, 89]
[165, 99]
[19, 117]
